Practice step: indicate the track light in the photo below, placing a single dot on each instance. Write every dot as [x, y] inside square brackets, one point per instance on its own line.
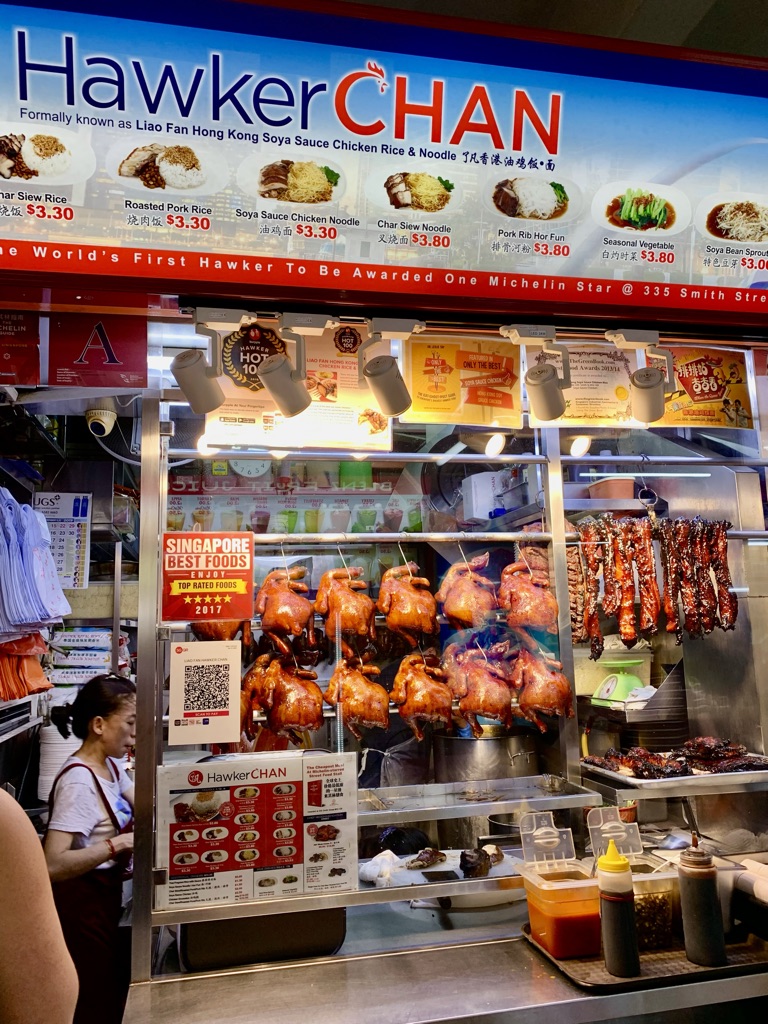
[580, 445]
[197, 378]
[382, 374]
[544, 386]
[647, 386]
[198, 381]
[283, 381]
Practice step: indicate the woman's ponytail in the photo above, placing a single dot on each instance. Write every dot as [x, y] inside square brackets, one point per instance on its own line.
[61, 716]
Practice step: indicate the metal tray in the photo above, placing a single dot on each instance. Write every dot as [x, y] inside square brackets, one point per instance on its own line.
[628, 787]
[659, 969]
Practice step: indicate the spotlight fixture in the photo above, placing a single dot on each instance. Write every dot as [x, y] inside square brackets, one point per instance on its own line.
[544, 386]
[495, 444]
[580, 445]
[197, 378]
[648, 385]
[205, 448]
[283, 381]
[382, 374]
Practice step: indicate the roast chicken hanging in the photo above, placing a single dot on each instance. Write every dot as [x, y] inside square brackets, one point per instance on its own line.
[283, 608]
[421, 693]
[467, 597]
[406, 601]
[348, 612]
[363, 702]
[290, 698]
[480, 683]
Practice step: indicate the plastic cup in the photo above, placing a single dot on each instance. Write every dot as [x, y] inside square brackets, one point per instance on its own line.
[203, 518]
[231, 519]
[414, 518]
[259, 522]
[285, 520]
[366, 517]
[312, 520]
[175, 521]
[393, 518]
[340, 519]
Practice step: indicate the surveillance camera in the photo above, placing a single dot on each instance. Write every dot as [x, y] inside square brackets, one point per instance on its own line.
[101, 418]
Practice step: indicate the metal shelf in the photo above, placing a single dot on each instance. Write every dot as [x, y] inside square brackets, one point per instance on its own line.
[351, 539]
[32, 723]
[440, 801]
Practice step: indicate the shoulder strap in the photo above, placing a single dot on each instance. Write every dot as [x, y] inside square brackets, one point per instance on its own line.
[102, 794]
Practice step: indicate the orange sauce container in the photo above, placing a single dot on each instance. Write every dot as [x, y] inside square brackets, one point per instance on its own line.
[563, 909]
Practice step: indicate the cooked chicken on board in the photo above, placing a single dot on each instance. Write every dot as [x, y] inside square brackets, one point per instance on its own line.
[468, 598]
[291, 699]
[543, 688]
[530, 605]
[421, 692]
[481, 684]
[426, 858]
[406, 601]
[363, 702]
[283, 609]
[346, 610]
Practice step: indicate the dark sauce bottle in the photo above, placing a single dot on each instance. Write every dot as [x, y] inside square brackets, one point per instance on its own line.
[617, 914]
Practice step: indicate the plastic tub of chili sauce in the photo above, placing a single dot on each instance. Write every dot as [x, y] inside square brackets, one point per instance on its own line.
[563, 899]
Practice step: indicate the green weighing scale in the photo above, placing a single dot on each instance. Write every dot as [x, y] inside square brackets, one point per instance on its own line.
[616, 687]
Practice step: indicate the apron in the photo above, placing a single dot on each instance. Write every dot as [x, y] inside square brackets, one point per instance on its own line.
[89, 909]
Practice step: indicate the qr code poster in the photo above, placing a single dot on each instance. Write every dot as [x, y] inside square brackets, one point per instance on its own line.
[205, 692]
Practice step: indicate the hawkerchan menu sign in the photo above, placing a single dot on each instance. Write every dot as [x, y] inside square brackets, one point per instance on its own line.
[156, 151]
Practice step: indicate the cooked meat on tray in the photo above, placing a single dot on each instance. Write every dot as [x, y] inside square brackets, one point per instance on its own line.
[426, 859]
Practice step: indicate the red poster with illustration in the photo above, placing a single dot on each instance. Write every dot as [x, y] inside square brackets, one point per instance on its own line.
[19, 348]
[207, 577]
[96, 351]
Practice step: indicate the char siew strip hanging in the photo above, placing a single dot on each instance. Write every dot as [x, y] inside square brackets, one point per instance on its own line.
[694, 560]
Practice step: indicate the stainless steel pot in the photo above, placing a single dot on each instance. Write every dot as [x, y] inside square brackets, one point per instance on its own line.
[466, 759]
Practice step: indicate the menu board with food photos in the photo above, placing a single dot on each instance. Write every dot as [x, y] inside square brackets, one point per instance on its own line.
[250, 827]
[243, 147]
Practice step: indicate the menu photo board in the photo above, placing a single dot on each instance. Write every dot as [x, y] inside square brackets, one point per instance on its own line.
[249, 827]
[473, 381]
[342, 414]
[712, 389]
[308, 153]
[207, 576]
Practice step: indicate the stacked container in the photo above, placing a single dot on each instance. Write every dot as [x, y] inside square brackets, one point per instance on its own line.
[563, 902]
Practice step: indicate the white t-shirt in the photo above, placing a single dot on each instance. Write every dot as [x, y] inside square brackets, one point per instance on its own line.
[79, 808]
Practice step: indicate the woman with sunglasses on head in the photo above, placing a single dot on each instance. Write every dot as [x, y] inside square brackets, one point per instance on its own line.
[89, 843]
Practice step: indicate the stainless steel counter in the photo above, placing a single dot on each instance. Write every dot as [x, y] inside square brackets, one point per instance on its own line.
[500, 982]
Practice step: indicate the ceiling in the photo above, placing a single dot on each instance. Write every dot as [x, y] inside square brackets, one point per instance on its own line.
[721, 26]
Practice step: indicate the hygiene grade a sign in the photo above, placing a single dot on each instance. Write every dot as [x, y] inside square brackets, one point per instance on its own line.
[330, 161]
[207, 576]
